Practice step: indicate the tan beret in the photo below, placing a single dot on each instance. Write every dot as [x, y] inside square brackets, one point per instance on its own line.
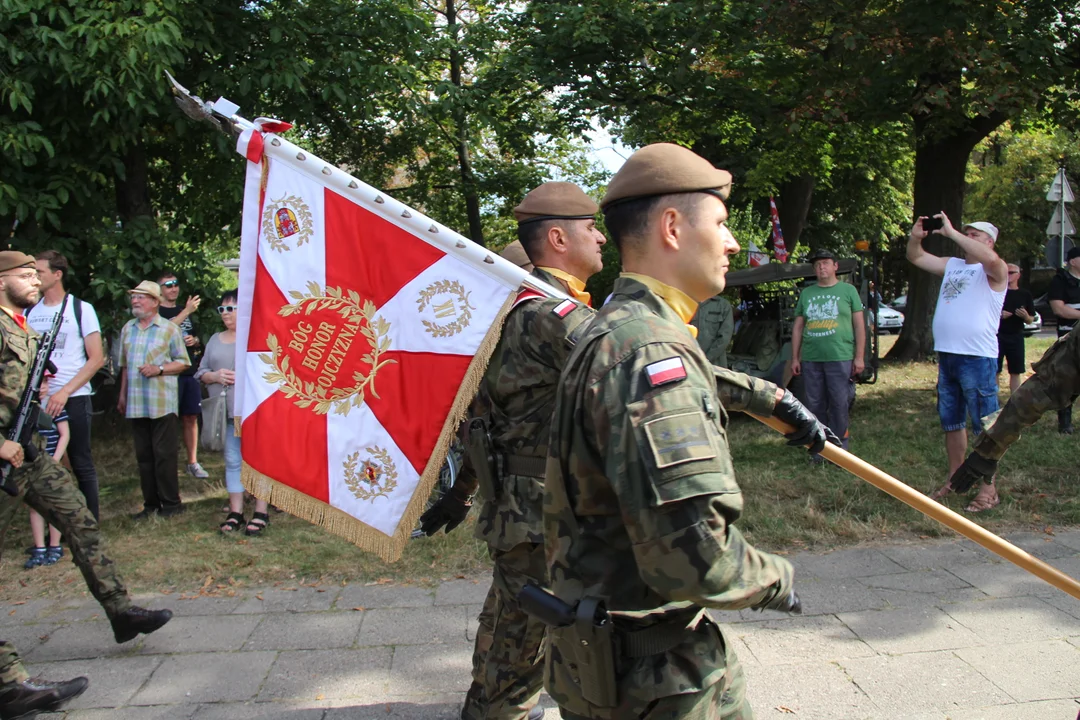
[11, 259]
[515, 253]
[555, 200]
[665, 169]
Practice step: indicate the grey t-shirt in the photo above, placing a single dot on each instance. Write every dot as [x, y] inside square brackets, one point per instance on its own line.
[218, 356]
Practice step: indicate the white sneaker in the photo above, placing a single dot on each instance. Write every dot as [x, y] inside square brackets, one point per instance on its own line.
[196, 470]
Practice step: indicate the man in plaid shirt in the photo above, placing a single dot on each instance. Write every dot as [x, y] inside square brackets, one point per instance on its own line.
[152, 354]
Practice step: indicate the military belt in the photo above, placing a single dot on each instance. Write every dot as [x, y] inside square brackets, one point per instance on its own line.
[658, 638]
[527, 465]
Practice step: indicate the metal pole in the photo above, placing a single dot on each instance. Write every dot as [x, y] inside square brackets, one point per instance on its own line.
[908, 495]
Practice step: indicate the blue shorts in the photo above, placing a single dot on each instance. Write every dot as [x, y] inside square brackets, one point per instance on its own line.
[967, 386]
[190, 391]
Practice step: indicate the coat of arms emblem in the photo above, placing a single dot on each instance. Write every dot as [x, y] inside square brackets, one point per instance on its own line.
[286, 217]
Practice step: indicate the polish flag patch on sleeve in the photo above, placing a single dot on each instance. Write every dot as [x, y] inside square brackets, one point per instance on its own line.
[564, 308]
[665, 371]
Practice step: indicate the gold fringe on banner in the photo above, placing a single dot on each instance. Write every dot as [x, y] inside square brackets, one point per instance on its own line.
[387, 547]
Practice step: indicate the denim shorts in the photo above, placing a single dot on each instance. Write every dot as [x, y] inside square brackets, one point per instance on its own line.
[967, 387]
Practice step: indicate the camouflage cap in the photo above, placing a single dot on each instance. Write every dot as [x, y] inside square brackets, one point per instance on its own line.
[516, 254]
[11, 259]
[554, 200]
[665, 169]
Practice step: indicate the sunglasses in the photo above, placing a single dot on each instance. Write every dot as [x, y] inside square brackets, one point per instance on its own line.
[170, 283]
[226, 308]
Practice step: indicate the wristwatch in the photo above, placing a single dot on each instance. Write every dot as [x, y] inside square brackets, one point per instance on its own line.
[161, 369]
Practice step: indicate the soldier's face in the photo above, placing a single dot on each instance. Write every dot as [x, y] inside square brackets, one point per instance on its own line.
[584, 243]
[706, 247]
[21, 286]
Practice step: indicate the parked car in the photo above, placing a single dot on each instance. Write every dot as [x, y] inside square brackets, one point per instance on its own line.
[889, 320]
[1034, 326]
[1042, 306]
[899, 304]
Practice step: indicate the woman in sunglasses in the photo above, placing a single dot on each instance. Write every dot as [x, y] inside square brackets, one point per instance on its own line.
[217, 372]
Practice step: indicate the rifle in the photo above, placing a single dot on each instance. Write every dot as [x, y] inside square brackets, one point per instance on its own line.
[27, 414]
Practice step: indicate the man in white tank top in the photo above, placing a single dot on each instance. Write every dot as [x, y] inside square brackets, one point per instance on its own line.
[965, 336]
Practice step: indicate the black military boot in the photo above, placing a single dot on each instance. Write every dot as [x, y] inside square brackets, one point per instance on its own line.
[137, 620]
[33, 696]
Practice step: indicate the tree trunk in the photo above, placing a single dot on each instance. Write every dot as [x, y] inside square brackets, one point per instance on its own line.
[133, 189]
[940, 166]
[793, 206]
[468, 180]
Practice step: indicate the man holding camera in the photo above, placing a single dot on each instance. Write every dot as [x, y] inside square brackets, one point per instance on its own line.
[965, 334]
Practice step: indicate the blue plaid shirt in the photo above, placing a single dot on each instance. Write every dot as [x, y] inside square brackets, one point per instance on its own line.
[158, 343]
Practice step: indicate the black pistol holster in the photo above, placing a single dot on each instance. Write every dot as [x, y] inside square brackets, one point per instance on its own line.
[583, 632]
[482, 457]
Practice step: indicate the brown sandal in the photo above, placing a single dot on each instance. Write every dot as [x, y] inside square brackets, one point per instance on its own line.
[941, 491]
[984, 500]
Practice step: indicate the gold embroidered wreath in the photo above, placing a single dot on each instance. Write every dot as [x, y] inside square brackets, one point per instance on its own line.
[376, 478]
[452, 287]
[339, 399]
[303, 219]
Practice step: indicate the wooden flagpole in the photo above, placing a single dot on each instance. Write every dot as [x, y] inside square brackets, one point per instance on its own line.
[908, 495]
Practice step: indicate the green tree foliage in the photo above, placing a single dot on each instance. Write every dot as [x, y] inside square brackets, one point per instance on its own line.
[1008, 177]
[98, 162]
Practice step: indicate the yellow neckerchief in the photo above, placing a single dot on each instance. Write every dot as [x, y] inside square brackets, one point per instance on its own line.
[683, 305]
[577, 287]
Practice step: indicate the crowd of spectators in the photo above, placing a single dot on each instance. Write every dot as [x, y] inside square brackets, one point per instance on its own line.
[162, 372]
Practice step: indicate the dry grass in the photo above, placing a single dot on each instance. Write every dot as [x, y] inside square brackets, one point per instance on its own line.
[789, 505]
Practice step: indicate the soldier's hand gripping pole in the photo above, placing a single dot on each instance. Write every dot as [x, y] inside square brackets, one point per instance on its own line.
[942, 514]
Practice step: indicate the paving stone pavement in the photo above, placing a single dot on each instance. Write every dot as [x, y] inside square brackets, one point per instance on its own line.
[931, 631]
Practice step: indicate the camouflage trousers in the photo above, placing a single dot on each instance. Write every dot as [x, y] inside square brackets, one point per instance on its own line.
[508, 660]
[49, 488]
[724, 700]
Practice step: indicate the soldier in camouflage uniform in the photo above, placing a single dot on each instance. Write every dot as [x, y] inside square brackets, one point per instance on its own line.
[50, 489]
[557, 229]
[715, 322]
[640, 495]
[1053, 386]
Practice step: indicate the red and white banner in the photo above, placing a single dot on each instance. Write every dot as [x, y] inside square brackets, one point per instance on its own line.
[364, 329]
[756, 257]
[779, 247]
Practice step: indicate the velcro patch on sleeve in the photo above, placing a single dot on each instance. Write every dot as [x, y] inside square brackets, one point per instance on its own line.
[677, 439]
[564, 308]
[665, 371]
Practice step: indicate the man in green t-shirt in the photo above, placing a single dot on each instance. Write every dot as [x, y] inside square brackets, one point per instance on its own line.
[827, 343]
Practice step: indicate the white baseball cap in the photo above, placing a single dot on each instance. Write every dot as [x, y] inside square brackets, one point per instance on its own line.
[986, 227]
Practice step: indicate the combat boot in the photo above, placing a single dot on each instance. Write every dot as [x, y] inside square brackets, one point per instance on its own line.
[33, 696]
[137, 620]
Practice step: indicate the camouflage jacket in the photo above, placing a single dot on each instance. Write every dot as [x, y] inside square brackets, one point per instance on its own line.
[17, 350]
[640, 495]
[517, 396]
[1053, 386]
[716, 324]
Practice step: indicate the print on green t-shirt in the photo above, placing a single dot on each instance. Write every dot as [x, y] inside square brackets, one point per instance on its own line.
[828, 334]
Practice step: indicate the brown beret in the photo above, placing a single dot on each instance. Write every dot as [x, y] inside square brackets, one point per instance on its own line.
[11, 259]
[515, 253]
[665, 169]
[554, 200]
